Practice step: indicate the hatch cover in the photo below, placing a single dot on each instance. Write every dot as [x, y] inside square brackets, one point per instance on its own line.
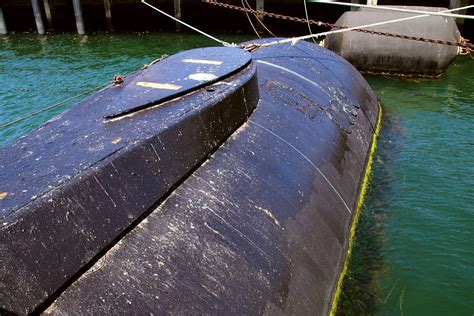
[175, 76]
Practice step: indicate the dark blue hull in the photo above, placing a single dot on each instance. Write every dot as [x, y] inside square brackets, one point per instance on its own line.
[242, 205]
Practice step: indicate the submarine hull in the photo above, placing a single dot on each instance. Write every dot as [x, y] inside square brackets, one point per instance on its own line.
[262, 224]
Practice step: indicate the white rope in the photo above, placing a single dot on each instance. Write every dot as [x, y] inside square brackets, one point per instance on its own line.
[307, 20]
[191, 27]
[462, 16]
[250, 20]
[294, 40]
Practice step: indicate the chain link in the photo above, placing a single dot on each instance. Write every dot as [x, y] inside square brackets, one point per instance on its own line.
[466, 47]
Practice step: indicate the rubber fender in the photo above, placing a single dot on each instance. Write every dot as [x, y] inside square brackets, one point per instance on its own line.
[377, 54]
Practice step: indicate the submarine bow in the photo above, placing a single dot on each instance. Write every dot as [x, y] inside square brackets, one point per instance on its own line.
[215, 181]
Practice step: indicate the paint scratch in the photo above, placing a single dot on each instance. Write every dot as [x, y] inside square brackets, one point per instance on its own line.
[156, 152]
[105, 191]
[269, 214]
[308, 160]
[267, 257]
[213, 230]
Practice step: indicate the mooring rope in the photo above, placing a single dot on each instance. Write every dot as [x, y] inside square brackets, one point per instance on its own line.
[250, 20]
[190, 26]
[307, 19]
[261, 22]
[465, 48]
[363, 28]
[395, 9]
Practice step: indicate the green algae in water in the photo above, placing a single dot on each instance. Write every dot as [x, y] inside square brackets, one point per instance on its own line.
[360, 288]
[413, 253]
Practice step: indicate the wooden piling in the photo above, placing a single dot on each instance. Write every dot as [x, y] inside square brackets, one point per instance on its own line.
[454, 4]
[3, 25]
[78, 15]
[355, 8]
[177, 14]
[38, 17]
[457, 4]
[108, 14]
[260, 6]
[49, 16]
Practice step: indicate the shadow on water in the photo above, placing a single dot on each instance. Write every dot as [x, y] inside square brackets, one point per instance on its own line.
[366, 265]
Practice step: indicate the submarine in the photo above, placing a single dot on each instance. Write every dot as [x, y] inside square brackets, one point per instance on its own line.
[215, 181]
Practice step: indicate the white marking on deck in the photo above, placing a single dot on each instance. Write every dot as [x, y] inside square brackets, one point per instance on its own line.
[239, 233]
[202, 61]
[269, 214]
[156, 85]
[202, 77]
[156, 153]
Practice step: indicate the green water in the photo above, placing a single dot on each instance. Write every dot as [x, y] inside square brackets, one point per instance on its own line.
[425, 165]
[414, 252]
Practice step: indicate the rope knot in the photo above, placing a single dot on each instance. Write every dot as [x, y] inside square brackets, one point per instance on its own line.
[118, 80]
[251, 47]
[465, 47]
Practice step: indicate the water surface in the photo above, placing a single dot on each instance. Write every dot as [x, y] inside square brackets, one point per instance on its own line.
[425, 167]
[414, 253]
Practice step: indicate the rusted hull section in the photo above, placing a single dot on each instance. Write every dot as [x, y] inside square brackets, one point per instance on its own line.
[262, 225]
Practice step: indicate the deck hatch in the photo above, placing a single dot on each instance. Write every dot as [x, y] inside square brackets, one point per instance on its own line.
[175, 76]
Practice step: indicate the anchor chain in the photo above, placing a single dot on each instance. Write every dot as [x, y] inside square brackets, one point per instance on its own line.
[466, 48]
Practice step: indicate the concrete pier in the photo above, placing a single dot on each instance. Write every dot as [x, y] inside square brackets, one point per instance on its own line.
[108, 14]
[38, 17]
[3, 25]
[78, 16]
[49, 15]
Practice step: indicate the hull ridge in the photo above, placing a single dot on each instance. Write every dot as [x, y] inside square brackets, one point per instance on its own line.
[258, 220]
